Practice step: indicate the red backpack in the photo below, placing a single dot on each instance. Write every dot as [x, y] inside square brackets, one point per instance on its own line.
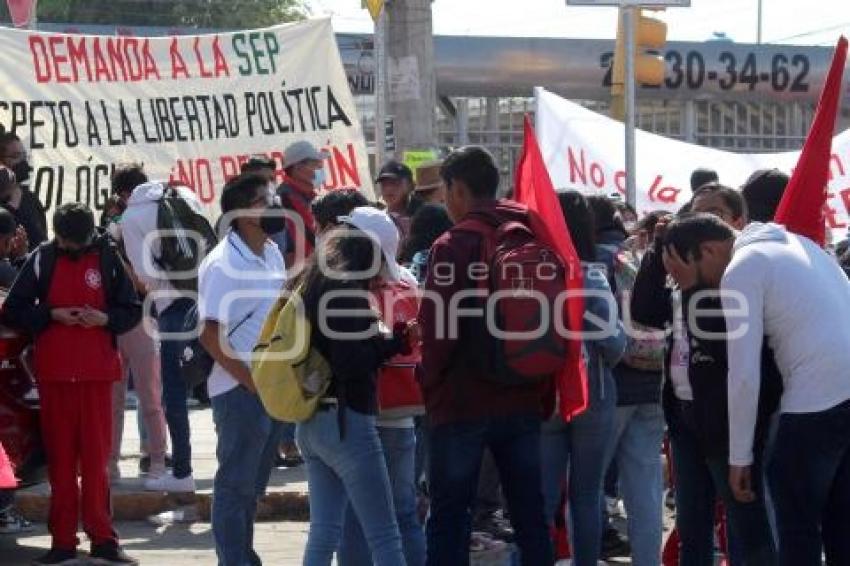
[528, 277]
[399, 392]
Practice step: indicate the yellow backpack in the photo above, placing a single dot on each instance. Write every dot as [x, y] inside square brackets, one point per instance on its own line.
[290, 376]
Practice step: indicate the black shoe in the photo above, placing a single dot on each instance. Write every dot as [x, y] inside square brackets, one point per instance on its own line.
[145, 464]
[108, 554]
[58, 556]
[614, 545]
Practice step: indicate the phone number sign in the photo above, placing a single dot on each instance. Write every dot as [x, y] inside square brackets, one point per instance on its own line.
[722, 68]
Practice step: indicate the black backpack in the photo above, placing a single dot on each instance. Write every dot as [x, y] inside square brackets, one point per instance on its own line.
[185, 239]
[196, 364]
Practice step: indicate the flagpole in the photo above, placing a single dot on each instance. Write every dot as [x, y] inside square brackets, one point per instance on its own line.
[380, 87]
[630, 93]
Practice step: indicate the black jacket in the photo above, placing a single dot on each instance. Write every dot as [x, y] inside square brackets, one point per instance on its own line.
[707, 367]
[26, 306]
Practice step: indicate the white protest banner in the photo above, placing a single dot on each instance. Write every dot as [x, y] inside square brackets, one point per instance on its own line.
[584, 150]
[190, 108]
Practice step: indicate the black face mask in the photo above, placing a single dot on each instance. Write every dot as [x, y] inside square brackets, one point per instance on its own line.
[272, 221]
[22, 171]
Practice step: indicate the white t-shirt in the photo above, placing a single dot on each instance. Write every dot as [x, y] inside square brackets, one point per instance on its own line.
[785, 287]
[237, 288]
[680, 354]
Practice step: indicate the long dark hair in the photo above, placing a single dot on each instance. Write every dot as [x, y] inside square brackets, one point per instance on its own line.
[428, 224]
[605, 215]
[579, 220]
[343, 261]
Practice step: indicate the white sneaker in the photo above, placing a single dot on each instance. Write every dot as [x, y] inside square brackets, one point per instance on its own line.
[167, 482]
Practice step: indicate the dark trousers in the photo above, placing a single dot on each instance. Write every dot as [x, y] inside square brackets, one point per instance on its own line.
[171, 321]
[699, 481]
[455, 463]
[809, 475]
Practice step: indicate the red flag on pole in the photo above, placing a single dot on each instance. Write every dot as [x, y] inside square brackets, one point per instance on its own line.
[534, 189]
[801, 207]
[22, 11]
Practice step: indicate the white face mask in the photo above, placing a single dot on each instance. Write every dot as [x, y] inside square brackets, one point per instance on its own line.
[318, 178]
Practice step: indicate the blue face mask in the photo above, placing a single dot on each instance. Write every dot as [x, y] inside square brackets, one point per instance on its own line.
[318, 178]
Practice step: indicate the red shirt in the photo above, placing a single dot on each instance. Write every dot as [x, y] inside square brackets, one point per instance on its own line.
[74, 353]
[298, 198]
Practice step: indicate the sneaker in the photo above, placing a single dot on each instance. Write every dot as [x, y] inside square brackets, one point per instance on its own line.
[108, 554]
[58, 556]
[12, 522]
[614, 545]
[167, 482]
[145, 465]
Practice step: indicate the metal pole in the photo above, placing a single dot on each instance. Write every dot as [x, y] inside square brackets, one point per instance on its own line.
[380, 87]
[758, 29]
[629, 68]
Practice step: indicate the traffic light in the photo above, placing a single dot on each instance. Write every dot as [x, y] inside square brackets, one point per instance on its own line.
[650, 33]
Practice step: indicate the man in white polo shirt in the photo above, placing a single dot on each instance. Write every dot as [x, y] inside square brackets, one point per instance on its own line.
[783, 286]
[238, 283]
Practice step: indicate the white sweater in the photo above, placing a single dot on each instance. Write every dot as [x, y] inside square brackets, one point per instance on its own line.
[798, 297]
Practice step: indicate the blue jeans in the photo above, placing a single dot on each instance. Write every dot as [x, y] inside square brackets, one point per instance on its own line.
[399, 446]
[287, 433]
[245, 434]
[638, 434]
[172, 320]
[351, 469]
[456, 450]
[809, 475]
[699, 480]
[576, 450]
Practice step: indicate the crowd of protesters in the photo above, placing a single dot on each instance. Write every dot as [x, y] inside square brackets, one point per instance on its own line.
[714, 326]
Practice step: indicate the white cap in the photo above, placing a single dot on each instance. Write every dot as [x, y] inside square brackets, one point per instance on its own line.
[378, 225]
[302, 151]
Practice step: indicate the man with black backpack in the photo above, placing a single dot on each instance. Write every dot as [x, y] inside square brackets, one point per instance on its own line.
[74, 296]
[166, 236]
[482, 392]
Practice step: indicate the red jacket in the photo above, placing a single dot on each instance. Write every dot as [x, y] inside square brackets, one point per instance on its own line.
[297, 197]
[453, 386]
[74, 353]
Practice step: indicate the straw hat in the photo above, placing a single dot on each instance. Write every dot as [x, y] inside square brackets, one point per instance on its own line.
[428, 176]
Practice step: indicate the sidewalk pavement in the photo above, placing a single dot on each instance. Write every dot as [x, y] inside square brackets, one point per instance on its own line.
[286, 498]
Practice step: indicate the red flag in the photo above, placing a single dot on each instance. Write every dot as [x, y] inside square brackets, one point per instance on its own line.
[802, 204]
[22, 11]
[534, 189]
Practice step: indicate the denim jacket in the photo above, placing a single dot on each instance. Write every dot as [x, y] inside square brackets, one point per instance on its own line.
[605, 337]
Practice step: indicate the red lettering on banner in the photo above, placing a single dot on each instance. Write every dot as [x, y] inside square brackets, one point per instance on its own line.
[100, 66]
[79, 56]
[577, 170]
[835, 159]
[346, 167]
[151, 70]
[597, 176]
[831, 215]
[178, 64]
[229, 167]
[620, 182]
[197, 175]
[221, 67]
[662, 194]
[40, 59]
[201, 69]
[58, 59]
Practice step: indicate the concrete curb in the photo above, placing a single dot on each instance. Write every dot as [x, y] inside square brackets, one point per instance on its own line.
[138, 506]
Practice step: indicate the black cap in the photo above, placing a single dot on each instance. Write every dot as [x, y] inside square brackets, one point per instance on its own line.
[394, 170]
